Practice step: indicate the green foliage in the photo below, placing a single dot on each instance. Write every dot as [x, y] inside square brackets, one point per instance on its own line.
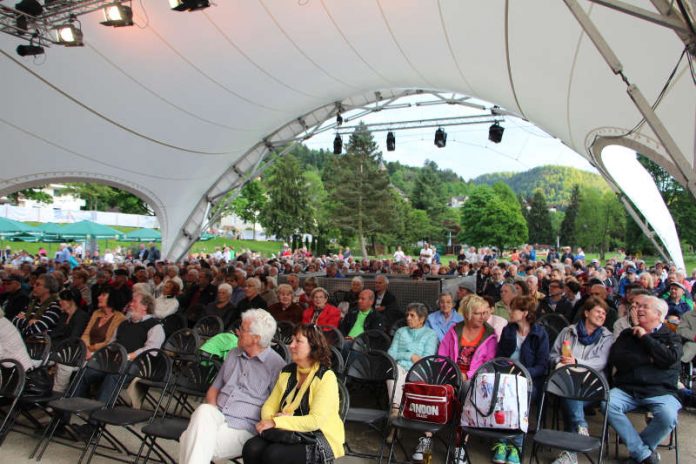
[250, 202]
[568, 226]
[428, 193]
[555, 181]
[601, 221]
[101, 197]
[31, 194]
[539, 219]
[288, 210]
[491, 217]
[359, 190]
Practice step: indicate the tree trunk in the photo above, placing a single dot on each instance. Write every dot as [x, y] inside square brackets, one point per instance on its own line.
[253, 230]
[363, 247]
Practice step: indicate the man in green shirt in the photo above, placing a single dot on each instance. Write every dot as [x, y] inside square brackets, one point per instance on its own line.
[363, 318]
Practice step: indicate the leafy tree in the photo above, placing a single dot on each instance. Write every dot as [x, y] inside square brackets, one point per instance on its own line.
[101, 197]
[428, 193]
[288, 210]
[539, 219]
[31, 194]
[490, 218]
[601, 221]
[359, 189]
[249, 203]
[567, 231]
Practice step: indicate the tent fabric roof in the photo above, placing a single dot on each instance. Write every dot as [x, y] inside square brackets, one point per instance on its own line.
[179, 110]
[143, 235]
[89, 229]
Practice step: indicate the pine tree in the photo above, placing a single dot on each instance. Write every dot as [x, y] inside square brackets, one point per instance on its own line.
[359, 189]
[567, 231]
[539, 219]
[250, 202]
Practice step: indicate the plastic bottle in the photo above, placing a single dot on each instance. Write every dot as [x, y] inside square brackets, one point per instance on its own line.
[428, 454]
[566, 350]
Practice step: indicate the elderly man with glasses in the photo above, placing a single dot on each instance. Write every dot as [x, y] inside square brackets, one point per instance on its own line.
[646, 359]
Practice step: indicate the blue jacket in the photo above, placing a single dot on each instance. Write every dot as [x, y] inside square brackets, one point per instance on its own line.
[534, 353]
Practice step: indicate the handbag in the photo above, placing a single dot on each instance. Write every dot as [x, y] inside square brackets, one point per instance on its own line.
[288, 437]
[424, 402]
[38, 382]
[497, 401]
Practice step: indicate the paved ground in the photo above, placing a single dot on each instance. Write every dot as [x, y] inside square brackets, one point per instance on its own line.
[17, 446]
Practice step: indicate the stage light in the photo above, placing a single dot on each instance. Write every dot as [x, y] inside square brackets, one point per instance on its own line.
[69, 35]
[391, 141]
[29, 50]
[440, 138]
[495, 132]
[188, 5]
[117, 15]
[338, 145]
[339, 119]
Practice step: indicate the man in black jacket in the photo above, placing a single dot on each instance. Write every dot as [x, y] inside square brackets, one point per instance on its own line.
[556, 302]
[13, 300]
[646, 359]
[362, 318]
[385, 301]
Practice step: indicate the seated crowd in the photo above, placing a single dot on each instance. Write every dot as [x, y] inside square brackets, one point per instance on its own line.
[622, 319]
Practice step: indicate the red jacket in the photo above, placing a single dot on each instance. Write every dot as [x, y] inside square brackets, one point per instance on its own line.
[330, 315]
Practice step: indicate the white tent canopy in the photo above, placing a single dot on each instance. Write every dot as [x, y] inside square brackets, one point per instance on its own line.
[183, 108]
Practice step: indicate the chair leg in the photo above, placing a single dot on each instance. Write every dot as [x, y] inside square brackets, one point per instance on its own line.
[46, 437]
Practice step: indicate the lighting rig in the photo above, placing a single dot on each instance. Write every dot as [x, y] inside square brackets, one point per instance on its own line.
[55, 22]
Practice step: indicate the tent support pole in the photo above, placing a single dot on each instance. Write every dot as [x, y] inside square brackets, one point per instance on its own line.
[645, 228]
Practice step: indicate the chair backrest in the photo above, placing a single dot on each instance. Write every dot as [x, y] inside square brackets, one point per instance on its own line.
[285, 331]
[198, 376]
[333, 336]
[338, 365]
[38, 347]
[112, 359]
[399, 323]
[373, 366]
[436, 370]
[209, 326]
[506, 366]
[282, 349]
[182, 344]
[152, 365]
[70, 352]
[371, 340]
[577, 382]
[338, 296]
[343, 401]
[12, 378]
[553, 324]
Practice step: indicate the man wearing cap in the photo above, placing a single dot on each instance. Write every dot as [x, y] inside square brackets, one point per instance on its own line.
[13, 300]
[556, 301]
[677, 302]
[628, 278]
[466, 287]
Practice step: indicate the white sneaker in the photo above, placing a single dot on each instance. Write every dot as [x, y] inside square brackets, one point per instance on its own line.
[424, 443]
[460, 456]
[566, 457]
[583, 431]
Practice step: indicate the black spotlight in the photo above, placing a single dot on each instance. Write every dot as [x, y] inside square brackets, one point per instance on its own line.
[29, 7]
[29, 50]
[117, 15]
[391, 141]
[188, 5]
[338, 145]
[440, 138]
[495, 133]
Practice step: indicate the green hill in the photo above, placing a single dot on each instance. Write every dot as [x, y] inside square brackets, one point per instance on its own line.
[555, 181]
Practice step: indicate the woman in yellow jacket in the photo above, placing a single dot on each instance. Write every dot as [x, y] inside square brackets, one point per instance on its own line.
[300, 423]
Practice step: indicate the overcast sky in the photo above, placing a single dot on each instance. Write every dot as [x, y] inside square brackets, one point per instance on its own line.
[468, 151]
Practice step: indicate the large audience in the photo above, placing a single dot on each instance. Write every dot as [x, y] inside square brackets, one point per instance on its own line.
[621, 317]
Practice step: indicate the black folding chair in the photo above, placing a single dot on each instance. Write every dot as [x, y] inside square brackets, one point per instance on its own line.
[553, 324]
[70, 353]
[371, 340]
[371, 370]
[338, 365]
[573, 382]
[209, 326]
[110, 360]
[333, 336]
[282, 349]
[399, 323]
[182, 345]
[672, 444]
[39, 348]
[11, 385]
[153, 366]
[285, 331]
[501, 366]
[433, 370]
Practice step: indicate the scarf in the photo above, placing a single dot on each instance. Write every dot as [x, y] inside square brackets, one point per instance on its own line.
[588, 339]
[289, 408]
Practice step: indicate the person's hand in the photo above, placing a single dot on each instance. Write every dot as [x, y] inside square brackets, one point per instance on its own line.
[131, 356]
[380, 308]
[32, 321]
[415, 358]
[638, 331]
[465, 377]
[265, 425]
[568, 360]
[89, 355]
[21, 315]
[348, 338]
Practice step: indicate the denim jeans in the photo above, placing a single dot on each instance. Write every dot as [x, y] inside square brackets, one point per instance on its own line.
[574, 414]
[665, 409]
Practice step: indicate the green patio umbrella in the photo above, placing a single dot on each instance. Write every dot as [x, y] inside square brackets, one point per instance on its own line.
[50, 228]
[143, 235]
[10, 228]
[85, 230]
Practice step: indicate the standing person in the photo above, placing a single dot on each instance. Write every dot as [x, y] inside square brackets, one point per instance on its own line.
[647, 362]
[527, 342]
[443, 320]
[589, 343]
[305, 399]
[43, 313]
[220, 427]
[426, 254]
